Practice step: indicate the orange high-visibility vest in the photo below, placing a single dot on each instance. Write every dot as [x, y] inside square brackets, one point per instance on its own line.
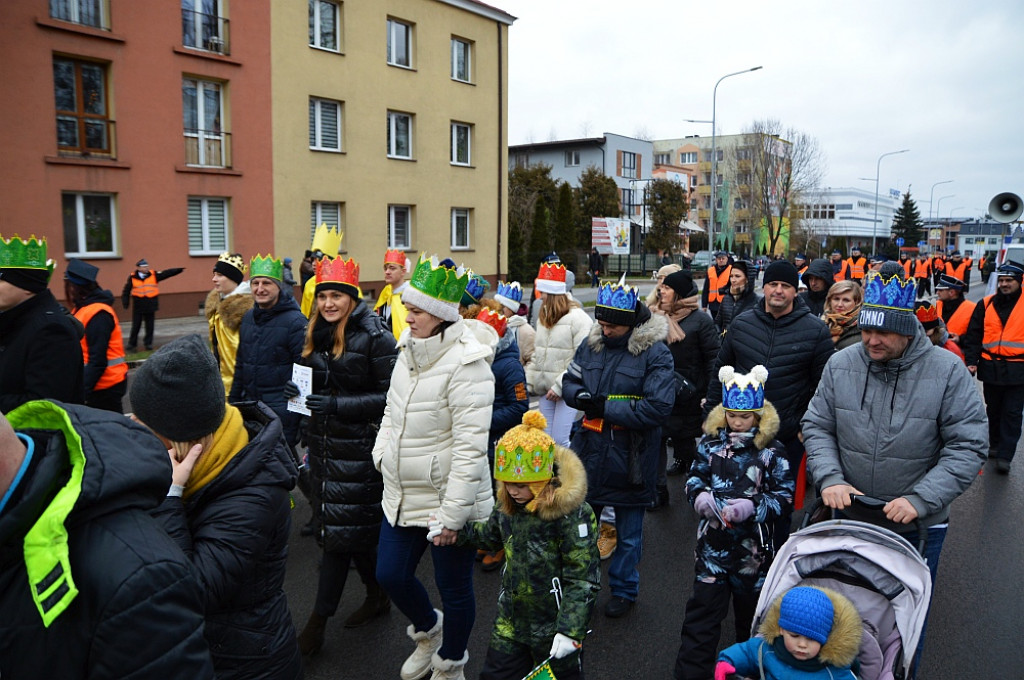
[857, 267]
[145, 289]
[717, 281]
[957, 323]
[999, 343]
[117, 369]
[907, 264]
[802, 271]
[922, 270]
[958, 271]
[844, 270]
[938, 265]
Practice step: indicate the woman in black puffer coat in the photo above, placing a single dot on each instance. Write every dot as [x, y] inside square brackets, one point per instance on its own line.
[352, 355]
[739, 297]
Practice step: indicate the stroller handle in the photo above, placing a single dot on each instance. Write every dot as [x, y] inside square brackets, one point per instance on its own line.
[872, 506]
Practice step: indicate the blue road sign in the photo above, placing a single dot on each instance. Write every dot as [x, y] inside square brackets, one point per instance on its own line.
[899, 241]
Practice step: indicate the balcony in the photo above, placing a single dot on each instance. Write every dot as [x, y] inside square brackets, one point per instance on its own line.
[86, 137]
[207, 32]
[703, 189]
[207, 148]
[744, 165]
[704, 166]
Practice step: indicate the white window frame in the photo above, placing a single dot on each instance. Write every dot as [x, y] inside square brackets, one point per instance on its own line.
[208, 247]
[326, 212]
[203, 136]
[463, 213]
[217, 40]
[317, 116]
[465, 48]
[392, 140]
[81, 226]
[572, 158]
[396, 29]
[455, 129]
[316, 18]
[75, 14]
[393, 242]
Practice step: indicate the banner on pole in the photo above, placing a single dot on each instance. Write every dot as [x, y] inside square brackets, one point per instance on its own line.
[610, 235]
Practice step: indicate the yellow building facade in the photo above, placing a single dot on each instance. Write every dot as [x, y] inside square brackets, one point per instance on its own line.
[390, 120]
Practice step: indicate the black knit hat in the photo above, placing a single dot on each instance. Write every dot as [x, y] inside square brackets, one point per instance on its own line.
[682, 283]
[32, 280]
[781, 270]
[178, 392]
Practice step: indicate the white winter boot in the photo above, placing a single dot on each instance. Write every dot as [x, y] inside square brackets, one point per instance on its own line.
[446, 669]
[427, 643]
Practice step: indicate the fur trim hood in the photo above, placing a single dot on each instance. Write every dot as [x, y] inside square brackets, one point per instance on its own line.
[767, 429]
[843, 644]
[642, 338]
[564, 493]
[231, 308]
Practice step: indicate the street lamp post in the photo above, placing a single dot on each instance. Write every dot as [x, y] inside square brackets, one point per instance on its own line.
[874, 223]
[931, 197]
[938, 205]
[714, 152]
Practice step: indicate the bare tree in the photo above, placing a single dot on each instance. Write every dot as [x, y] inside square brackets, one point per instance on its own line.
[585, 128]
[643, 132]
[785, 163]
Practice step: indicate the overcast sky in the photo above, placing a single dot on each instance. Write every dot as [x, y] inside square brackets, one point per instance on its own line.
[942, 78]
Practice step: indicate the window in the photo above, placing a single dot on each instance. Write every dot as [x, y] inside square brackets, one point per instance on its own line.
[324, 212]
[399, 43]
[324, 124]
[628, 164]
[662, 158]
[572, 159]
[204, 136]
[687, 157]
[693, 180]
[743, 154]
[693, 204]
[207, 226]
[628, 197]
[399, 135]
[80, 92]
[521, 160]
[398, 227]
[460, 228]
[86, 12]
[461, 50]
[203, 26]
[89, 227]
[325, 25]
[461, 142]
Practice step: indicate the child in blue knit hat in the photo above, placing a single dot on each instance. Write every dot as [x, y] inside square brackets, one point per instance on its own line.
[807, 633]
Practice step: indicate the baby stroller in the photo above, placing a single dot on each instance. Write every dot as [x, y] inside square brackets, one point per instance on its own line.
[882, 574]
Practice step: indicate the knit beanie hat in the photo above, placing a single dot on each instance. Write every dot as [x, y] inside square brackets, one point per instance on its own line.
[807, 611]
[781, 270]
[889, 300]
[682, 283]
[178, 392]
[668, 269]
[525, 453]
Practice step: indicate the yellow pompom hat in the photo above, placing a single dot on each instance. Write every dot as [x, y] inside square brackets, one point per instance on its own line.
[525, 453]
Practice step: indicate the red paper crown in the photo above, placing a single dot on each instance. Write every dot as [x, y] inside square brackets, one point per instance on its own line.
[337, 270]
[552, 272]
[395, 257]
[926, 313]
[495, 320]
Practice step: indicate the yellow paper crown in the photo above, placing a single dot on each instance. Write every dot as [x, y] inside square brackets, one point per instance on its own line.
[327, 240]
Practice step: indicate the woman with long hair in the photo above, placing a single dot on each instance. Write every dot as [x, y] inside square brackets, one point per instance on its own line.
[561, 326]
[842, 307]
[352, 354]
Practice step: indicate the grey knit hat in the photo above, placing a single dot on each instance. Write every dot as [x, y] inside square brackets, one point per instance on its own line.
[178, 392]
[889, 301]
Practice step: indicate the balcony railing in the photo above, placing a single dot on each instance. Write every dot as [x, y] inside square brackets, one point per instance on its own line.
[205, 32]
[703, 189]
[86, 137]
[207, 148]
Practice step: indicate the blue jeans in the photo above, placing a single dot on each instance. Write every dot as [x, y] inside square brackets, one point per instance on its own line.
[623, 576]
[932, 550]
[398, 554]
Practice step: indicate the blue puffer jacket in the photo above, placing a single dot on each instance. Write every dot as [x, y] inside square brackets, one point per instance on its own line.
[511, 399]
[270, 341]
[637, 365]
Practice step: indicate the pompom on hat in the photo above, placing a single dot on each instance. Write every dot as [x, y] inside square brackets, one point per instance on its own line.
[889, 298]
[525, 453]
[807, 611]
[743, 392]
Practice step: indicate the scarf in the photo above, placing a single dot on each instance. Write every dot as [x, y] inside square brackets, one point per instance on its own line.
[837, 322]
[680, 309]
[230, 438]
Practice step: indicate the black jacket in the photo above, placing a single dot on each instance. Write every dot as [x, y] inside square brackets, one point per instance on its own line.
[138, 613]
[269, 342]
[235, 531]
[733, 306]
[150, 304]
[816, 300]
[511, 399]
[794, 349]
[694, 358]
[346, 485]
[996, 372]
[40, 354]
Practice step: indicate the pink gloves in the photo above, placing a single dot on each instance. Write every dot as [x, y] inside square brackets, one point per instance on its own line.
[704, 504]
[737, 509]
[724, 669]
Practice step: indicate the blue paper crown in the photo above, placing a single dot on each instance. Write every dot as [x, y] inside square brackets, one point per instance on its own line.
[749, 397]
[617, 296]
[511, 291]
[475, 289]
[892, 293]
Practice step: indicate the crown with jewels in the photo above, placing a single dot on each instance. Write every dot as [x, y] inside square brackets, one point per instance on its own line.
[338, 270]
[392, 256]
[266, 266]
[475, 289]
[509, 294]
[495, 320]
[618, 296]
[17, 253]
[233, 259]
[743, 392]
[525, 453]
[890, 293]
[442, 281]
[327, 240]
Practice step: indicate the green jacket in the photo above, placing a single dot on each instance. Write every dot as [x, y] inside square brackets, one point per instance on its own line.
[552, 568]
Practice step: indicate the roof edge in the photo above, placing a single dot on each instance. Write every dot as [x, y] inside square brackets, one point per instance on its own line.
[481, 9]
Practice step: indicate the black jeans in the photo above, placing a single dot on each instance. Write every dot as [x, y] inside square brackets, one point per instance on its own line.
[138, 317]
[110, 399]
[702, 626]
[334, 572]
[1005, 406]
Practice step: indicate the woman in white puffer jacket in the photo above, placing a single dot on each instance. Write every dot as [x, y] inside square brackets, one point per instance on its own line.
[561, 326]
[432, 453]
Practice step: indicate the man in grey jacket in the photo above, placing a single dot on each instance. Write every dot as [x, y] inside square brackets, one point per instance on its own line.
[897, 419]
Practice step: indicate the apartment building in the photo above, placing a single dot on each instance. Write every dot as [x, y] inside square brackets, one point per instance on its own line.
[848, 213]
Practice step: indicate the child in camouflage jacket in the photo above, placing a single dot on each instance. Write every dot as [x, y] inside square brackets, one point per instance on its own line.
[552, 569]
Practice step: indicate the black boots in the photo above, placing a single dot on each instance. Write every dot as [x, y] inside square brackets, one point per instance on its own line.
[311, 639]
[375, 604]
[661, 500]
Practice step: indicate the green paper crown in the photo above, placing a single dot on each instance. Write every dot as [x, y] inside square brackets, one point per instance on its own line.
[266, 266]
[439, 280]
[17, 253]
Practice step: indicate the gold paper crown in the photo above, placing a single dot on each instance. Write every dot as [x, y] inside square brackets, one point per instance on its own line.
[327, 240]
[338, 270]
[266, 266]
[17, 253]
[525, 453]
[233, 259]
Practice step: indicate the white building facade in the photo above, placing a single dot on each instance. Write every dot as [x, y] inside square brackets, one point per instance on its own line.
[849, 213]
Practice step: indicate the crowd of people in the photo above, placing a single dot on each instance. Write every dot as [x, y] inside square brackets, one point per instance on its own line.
[411, 431]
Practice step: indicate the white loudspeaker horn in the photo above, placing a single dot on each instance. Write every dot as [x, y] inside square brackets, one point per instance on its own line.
[1005, 207]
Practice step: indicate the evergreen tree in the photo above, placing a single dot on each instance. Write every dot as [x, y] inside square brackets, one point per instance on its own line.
[906, 223]
[518, 264]
[597, 196]
[528, 188]
[564, 237]
[667, 205]
[540, 235]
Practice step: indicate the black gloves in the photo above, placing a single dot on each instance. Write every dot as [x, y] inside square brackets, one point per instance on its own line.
[592, 407]
[291, 390]
[322, 404]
